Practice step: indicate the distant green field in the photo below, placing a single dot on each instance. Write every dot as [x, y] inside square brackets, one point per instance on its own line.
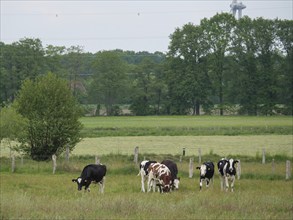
[221, 145]
[184, 125]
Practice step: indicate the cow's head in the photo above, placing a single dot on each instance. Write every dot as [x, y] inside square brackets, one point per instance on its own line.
[176, 183]
[203, 169]
[231, 164]
[80, 182]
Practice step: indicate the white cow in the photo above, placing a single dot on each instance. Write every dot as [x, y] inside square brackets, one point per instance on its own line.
[227, 172]
[143, 171]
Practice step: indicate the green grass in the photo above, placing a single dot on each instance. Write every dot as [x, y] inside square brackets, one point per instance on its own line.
[47, 196]
[184, 125]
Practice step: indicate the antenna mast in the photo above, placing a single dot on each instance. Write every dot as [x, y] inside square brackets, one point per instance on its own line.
[235, 6]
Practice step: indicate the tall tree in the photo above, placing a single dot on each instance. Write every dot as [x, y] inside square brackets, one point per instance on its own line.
[109, 80]
[218, 32]
[53, 116]
[189, 79]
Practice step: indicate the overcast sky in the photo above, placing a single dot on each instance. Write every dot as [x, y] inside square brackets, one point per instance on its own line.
[128, 25]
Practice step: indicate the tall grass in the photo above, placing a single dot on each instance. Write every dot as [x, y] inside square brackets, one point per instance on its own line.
[27, 196]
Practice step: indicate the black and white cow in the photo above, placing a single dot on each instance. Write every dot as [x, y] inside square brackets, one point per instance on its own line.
[227, 171]
[93, 173]
[159, 175]
[143, 171]
[174, 172]
[206, 173]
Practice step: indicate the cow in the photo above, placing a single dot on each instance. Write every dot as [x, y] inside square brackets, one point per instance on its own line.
[227, 172]
[206, 173]
[143, 171]
[174, 171]
[159, 175]
[93, 173]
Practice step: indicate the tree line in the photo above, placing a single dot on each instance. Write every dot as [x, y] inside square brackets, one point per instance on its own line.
[222, 64]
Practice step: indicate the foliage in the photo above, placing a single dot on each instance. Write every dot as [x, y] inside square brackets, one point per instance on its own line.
[52, 115]
[109, 80]
[221, 61]
[12, 126]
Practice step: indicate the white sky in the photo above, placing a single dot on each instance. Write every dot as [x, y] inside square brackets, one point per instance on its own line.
[128, 25]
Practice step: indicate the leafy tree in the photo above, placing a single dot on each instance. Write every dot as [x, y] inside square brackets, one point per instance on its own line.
[109, 80]
[20, 60]
[189, 79]
[53, 116]
[12, 126]
[218, 32]
[246, 77]
[284, 33]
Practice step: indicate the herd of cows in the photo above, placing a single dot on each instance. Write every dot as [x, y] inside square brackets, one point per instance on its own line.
[162, 175]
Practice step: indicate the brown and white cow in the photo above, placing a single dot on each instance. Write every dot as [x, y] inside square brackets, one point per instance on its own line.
[159, 175]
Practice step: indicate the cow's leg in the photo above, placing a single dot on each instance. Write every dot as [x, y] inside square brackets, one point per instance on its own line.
[150, 180]
[222, 182]
[200, 184]
[207, 183]
[142, 182]
[227, 183]
[87, 185]
[232, 183]
[102, 185]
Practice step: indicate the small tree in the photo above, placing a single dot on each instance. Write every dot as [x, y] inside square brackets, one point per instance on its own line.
[12, 126]
[52, 113]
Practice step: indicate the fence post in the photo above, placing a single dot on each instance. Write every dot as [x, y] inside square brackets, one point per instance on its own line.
[199, 155]
[180, 158]
[263, 156]
[67, 153]
[190, 167]
[135, 155]
[54, 158]
[97, 160]
[183, 151]
[21, 161]
[238, 169]
[12, 163]
[288, 169]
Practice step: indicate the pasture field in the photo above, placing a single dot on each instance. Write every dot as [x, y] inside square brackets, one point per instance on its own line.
[38, 194]
[185, 125]
[250, 145]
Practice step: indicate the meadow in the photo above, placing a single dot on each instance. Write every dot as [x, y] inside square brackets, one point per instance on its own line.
[33, 192]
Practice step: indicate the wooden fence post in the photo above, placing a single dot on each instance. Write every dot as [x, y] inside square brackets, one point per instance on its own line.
[288, 169]
[183, 151]
[190, 167]
[238, 169]
[263, 156]
[54, 158]
[199, 155]
[135, 155]
[12, 163]
[97, 160]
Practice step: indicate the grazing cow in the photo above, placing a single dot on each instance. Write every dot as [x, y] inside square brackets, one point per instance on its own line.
[93, 173]
[143, 171]
[206, 173]
[174, 171]
[159, 175]
[227, 172]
